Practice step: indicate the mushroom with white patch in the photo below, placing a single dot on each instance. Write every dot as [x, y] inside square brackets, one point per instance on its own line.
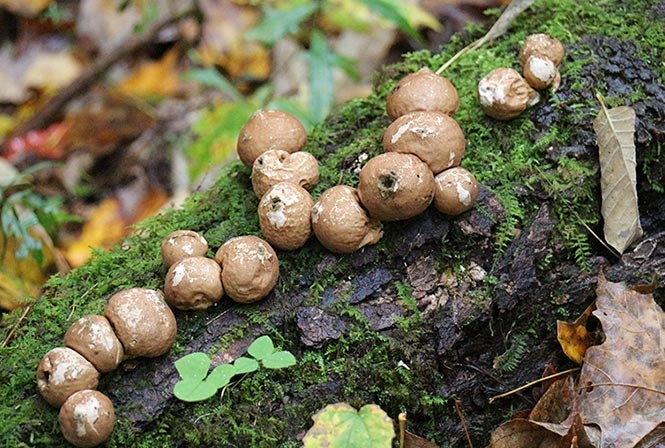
[275, 166]
[193, 283]
[87, 418]
[63, 371]
[340, 222]
[504, 94]
[456, 191]
[182, 244]
[284, 216]
[250, 268]
[433, 136]
[143, 322]
[93, 337]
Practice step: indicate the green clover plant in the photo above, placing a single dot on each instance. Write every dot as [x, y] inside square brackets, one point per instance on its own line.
[197, 384]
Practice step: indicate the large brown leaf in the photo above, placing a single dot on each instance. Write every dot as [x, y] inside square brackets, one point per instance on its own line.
[623, 379]
[616, 151]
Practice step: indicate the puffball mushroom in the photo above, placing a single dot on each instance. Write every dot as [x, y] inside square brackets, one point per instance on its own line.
[504, 94]
[193, 283]
[285, 216]
[541, 73]
[543, 45]
[61, 372]
[269, 129]
[395, 186]
[422, 90]
[87, 418]
[93, 337]
[143, 322]
[456, 191]
[276, 166]
[433, 136]
[182, 244]
[249, 268]
[340, 222]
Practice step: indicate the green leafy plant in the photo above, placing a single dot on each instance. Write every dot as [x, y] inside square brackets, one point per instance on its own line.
[197, 384]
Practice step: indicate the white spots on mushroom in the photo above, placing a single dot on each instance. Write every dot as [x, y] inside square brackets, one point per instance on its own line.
[542, 68]
[316, 212]
[463, 194]
[400, 131]
[85, 415]
[178, 274]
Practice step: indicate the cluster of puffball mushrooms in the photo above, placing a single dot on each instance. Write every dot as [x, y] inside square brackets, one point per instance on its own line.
[423, 147]
[504, 93]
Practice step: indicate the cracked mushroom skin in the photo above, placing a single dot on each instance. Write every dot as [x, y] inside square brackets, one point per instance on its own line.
[269, 129]
[143, 322]
[93, 337]
[61, 372]
[275, 166]
[395, 186]
[340, 222]
[193, 283]
[456, 191]
[542, 45]
[250, 268]
[182, 244]
[422, 90]
[87, 418]
[285, 216]
[504, 94]
[433, 136]
[541, 73]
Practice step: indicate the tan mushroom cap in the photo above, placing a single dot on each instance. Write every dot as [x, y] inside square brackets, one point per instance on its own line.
[249, 268]
[395, 186]
[143, 322]
[285, 216]
[456, 191]
[87, 418]
[269, 129]
[504, 94]
[93, 337]
[340, 222]
[422, 90]
[542, 44]
[433, 136]
[193, 283]
[182, 244]
[61, 372]
[541, 73]
[275, 166]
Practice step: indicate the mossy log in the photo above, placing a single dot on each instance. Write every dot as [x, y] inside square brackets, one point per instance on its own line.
[442, 310]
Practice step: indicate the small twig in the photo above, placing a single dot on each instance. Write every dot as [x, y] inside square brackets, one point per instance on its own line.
[47, 113]
[401, 418]
[635, 386]
[458, 409]
[16, 325]
[532, 383]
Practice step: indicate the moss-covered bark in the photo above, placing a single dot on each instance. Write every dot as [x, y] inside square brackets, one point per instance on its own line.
[441, 309]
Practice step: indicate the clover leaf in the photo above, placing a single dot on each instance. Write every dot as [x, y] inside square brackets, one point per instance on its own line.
[196, 384]
[264, 350]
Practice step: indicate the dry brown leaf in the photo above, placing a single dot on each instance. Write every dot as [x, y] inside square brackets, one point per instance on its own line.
[574, 337]
[623, 379]
[155, 78]
[616, 150]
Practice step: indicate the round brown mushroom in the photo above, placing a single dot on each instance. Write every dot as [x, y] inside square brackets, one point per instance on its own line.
[504, 94]
[456, 191]
[544, 45]
[433, 136]
[340, 222]
[143, 322]
[395, 186]
[87, 418]
[193, 283]
[61, 372]
[93, 337]
[182, 244]
[422, 90]
[285, 216]
[269, 129]
[249, 268]
[275, 166]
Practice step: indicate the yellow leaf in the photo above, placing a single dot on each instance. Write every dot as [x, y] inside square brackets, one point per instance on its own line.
[160, 78]
[25, 8]
[574, 336]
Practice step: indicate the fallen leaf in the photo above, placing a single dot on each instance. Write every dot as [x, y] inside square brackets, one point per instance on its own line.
[615, 129]
[412, 440]
[623, 379]
[574, 337]
[158, 78]
[339, 425]
[25, 8]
